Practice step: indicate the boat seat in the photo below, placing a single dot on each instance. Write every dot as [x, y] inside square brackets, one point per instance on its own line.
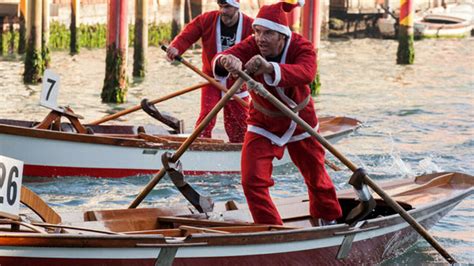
[144, 213]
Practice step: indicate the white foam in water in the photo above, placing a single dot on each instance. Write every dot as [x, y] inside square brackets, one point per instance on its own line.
[428, 166]
[403, 167]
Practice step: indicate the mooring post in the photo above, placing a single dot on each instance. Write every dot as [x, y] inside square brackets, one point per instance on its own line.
[116, 82]
[192, 9]
[45, 35]
[177, 20]
[311, 30]
[73, 27]
[141, 38]
[406, 51]
[1, 35]
[22, 27]
[33, 59]
[11, 27]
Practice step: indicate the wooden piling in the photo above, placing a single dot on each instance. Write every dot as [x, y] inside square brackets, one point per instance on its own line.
[311, 30]
[45, 35]
[1, 35]
[177, 20]
[11, 45]
[406, 51]
[192, 9]
[115, 82]
[74, 46]
[33, 59]
[141, 38]
[22, 26]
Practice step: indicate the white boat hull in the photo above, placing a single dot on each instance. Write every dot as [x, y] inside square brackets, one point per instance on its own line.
[50, 158]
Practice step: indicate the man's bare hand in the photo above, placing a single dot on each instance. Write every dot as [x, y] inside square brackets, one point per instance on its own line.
[171, 53]
[257, 65]
[231, 64]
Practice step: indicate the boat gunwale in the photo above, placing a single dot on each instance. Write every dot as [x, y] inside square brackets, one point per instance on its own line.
[103, 139]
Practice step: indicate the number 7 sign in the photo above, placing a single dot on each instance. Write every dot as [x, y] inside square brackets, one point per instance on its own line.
[50, 91]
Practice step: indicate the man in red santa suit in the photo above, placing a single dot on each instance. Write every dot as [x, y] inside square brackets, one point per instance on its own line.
[285, 63]
[219, 30]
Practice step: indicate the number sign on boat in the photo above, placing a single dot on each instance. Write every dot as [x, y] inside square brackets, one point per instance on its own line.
[50, 91]
[11, 173]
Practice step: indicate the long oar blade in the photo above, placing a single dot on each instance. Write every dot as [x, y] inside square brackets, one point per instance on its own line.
[155, 101]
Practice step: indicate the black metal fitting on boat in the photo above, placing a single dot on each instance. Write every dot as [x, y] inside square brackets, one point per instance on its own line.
[176, 124]
[367, 202]
[175, 172]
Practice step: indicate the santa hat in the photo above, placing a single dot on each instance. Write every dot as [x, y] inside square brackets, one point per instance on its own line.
[274, 16]
[234, 3]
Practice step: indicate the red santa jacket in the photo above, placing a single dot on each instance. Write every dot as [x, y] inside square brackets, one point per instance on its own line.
[290, 83]
[205, 26]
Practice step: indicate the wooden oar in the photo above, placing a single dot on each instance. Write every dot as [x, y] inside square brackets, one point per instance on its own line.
[138, 107]
[206, 77]
[184, 146]
[252, 84]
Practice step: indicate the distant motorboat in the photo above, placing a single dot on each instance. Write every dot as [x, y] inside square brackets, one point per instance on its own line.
[450, 22]
[442, 26]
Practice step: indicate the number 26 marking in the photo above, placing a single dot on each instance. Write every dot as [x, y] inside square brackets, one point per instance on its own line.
[12, 187]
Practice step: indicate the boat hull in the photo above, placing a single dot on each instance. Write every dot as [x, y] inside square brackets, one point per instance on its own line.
[53, 158]
[48, 153]
[442, 26]
[384, 237]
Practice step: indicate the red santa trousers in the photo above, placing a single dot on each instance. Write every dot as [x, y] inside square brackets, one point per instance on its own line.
[235, 115]
[308, 155]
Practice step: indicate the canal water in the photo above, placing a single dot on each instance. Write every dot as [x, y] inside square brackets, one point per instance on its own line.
[416, 119]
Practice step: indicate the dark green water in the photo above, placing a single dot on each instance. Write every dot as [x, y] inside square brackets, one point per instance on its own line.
[417, 119]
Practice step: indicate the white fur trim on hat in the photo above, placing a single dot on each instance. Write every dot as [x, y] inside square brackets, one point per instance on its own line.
[296, 2]
[272, 25]
[235, 3]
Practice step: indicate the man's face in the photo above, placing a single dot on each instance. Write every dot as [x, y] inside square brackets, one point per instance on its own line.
[270, 42]
[229, 14]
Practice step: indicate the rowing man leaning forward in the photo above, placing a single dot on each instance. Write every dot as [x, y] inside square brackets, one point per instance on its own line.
[219, 30]
[285, 63]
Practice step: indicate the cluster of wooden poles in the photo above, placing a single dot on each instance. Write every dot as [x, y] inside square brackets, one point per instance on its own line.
[37, 59]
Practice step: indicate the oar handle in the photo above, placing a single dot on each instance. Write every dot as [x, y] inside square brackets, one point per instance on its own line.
[177, 57]
[206, 77]
[155, 101]
[185, 145]
[252, 84]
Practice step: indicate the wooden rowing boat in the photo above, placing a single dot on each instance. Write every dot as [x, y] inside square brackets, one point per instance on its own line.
[178, 236]
[445, 23]
[121, 151]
